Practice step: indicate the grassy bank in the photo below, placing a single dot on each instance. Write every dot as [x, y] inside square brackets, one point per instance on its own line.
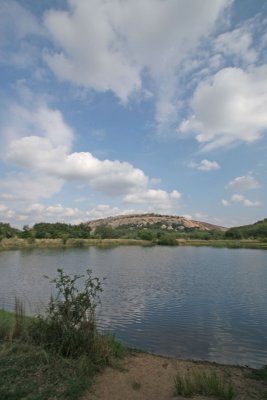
[55, 355]
[21, 244]
[24, 244]
[234, 244]
[33, 371]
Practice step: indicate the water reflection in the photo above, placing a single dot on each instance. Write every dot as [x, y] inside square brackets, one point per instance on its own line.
[201, 303]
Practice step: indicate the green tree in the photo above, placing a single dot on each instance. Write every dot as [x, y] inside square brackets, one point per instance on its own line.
[104, 232]
[146, 234]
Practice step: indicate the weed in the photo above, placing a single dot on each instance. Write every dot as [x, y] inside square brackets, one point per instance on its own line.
[57, 354]
[201, 383]
[19, 325]
[260, 374]
[27, 371]
[68, 326]
[136, 385]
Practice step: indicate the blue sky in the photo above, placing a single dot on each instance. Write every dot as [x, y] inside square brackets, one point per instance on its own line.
[125, 106]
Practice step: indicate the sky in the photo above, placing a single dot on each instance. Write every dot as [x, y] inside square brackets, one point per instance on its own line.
[112, 107]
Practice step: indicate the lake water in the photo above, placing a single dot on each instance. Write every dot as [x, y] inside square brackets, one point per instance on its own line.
[188, 302]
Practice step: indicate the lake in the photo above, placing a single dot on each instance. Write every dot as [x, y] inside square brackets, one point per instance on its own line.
[189, 302]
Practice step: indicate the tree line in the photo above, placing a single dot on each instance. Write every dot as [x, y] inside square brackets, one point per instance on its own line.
[154, 232]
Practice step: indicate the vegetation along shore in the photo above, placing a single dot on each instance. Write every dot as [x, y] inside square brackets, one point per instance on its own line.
[140, 229]
[61, 355]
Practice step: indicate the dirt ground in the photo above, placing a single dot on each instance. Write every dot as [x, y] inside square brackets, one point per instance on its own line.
[149, 377]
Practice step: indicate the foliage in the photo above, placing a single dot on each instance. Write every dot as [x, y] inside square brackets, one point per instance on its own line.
[55, 356]
[167, 239]
[59, 230]
[65, 232]
[6, 231]
[104, 232]
[201, 383]
[146, 234]
[68, 326]
[30, 372]
[257, 230]
[260, 374]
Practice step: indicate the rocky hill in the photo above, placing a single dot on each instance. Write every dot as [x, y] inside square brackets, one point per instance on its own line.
[168, 222]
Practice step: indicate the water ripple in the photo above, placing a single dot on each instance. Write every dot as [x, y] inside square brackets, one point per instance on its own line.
[200, 303]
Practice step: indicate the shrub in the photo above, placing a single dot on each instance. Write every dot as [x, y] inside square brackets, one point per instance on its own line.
[146, 234]
[68, 326]
[167, 239]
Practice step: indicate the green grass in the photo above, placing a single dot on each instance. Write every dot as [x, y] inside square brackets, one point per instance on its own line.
[236, 244]
[55, 355]
[260, 374]
[23, 244]
[28, 371]
[205, 384]
[7, 321]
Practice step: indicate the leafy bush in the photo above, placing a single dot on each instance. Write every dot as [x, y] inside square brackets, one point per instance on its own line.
[68, 326]
[146, 234]
[167, 239]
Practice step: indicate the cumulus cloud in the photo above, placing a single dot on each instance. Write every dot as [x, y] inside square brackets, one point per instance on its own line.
[55, 211]
[105, 210]
[111, 177]
[37, 122]
[204, 165]
[40, 140]
[155, 199]
[239, 199]
[243, 183]
[229, 107]
[29, 186]
[38, 212]
[107, 46]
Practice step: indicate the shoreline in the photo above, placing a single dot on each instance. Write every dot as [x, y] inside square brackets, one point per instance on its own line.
[148, 376]
[127, 374]
[21, 244]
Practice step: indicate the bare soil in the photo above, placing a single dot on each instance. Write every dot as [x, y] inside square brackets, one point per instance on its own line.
[149, 377]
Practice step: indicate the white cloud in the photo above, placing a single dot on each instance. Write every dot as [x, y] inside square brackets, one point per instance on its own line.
[239, 199]
[7, 197]
[29, 186]
[243, 183]
[154, 199]
[39, 212]
[237, 44]
[204, 165]
[229, 107]
[187, 216]
[226, 203]
[16, 25]
[106, 46]
[111, 177]
[40, 140]
[201, 216]
[105, 210]
[54, 211]
[5, 212]
[37, 121]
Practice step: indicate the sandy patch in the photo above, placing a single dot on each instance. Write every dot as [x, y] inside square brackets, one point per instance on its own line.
[149, 377]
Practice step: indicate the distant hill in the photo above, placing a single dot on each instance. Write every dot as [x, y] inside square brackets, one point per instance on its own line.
[256, 230]
[168, 222]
